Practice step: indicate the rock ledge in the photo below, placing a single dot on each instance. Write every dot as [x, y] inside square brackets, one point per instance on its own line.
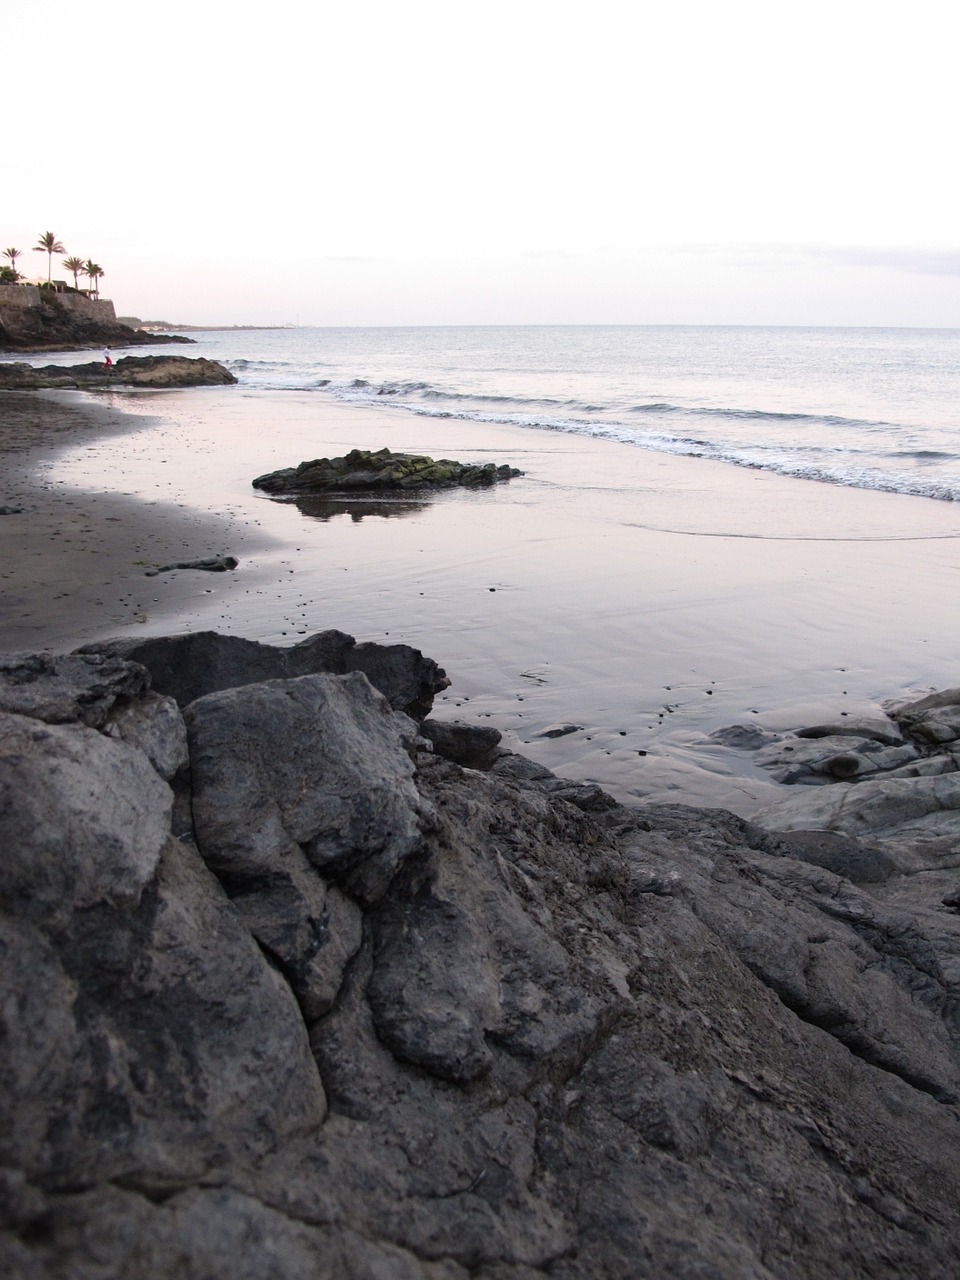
[129, 371]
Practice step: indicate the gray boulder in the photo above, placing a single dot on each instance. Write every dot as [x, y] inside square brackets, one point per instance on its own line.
[510, 764]
[471, 745]
[84, 819]
[154, 724]
[474, 971]
[318, 765]
[926, 767]
[589, 796]
[146, 1043]
[743, 737]
[144, 1033]
[559, 730]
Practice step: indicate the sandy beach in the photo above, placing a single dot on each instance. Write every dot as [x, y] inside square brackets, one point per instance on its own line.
[646, 599]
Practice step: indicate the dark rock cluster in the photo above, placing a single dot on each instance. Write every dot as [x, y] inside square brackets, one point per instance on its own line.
[296, 984]
[363, 470]
[129, 371]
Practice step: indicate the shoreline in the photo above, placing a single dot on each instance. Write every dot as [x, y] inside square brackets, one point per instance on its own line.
[73, 560]
[646, 599]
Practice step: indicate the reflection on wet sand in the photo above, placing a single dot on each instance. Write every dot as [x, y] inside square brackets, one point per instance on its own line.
[318, 507]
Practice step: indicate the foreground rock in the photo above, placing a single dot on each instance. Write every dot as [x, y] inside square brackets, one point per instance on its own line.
[129, 371]
[287, 993]
[364, 471]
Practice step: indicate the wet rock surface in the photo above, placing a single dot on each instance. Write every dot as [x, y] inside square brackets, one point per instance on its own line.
[825, 759]
[363, 470]
[289, 992]
[886, 778]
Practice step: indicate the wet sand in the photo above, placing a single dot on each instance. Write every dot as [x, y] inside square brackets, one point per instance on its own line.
[645, 599]
[72, 562]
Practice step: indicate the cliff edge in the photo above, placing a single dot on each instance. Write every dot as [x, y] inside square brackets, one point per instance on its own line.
[39, 319]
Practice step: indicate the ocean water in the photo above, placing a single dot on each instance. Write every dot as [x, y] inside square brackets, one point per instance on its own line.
[647, 600]
[870, 408]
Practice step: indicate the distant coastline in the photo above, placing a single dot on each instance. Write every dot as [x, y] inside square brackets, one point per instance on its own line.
[164, 326]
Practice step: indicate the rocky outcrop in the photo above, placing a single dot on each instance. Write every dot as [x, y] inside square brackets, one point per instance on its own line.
[190, 666]
[888, 778]
[130, 371]
[363, 471]
[40, 319]
[288, 993]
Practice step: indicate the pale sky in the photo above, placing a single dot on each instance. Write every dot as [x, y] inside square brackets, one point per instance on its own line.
[428, 162]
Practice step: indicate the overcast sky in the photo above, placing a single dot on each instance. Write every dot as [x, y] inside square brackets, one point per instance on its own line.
[505, 162]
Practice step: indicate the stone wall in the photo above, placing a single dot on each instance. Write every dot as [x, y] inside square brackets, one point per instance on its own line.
[15, 299]
[99, 310]
[38, 319]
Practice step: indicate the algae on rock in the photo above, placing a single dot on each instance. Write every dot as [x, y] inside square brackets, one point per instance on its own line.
[363, 470]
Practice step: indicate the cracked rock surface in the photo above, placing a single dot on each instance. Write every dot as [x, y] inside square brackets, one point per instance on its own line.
[892, 779]
[288, 992]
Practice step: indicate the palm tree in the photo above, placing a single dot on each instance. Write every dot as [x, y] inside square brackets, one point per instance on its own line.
[94, 273]
[49, 244]
[74, 266]
[13, 255]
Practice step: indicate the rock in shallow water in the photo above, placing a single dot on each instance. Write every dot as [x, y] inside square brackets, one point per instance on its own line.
[362, 470]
